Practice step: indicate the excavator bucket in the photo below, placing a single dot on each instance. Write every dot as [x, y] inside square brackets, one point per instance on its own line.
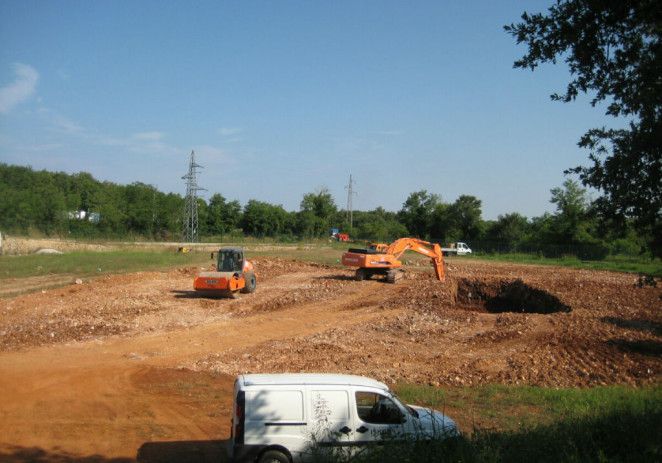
[438, 262]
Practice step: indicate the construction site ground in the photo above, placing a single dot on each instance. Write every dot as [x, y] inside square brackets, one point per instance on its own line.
[137, 367]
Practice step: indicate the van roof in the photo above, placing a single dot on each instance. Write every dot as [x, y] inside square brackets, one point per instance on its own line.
[309, 378]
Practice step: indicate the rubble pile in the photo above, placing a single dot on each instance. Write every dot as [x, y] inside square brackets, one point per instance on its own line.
[487, 323]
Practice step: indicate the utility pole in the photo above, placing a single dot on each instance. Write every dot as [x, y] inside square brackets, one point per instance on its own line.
[350, 194]
[190, 230]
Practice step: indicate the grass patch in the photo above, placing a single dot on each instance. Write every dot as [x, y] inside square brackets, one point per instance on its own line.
[652, 267]
[494, 406]
[89, 263]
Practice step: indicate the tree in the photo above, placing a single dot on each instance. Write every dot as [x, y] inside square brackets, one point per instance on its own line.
[223, 216]
[140, 208]
[170, 209]
[572, 229]
[85, 187]
[442, 227]
[572, 223]
[465, 213]
[417, 213]
[614, 52]
[264, 219]
[509, 229]
[316, 213]
[109, 202]
[378, 225]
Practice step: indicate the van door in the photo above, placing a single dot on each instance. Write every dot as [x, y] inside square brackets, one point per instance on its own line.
[378, 417]
[330, 415]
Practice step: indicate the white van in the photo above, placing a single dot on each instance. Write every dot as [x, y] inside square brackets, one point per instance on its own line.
[282, 418]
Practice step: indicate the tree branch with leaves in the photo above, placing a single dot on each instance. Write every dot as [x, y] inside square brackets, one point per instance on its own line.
[614, 53]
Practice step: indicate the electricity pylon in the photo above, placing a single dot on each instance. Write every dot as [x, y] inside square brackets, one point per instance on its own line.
[350, 207]
[190, 230]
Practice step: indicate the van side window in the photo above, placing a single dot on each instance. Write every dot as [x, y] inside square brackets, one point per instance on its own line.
[377, 409]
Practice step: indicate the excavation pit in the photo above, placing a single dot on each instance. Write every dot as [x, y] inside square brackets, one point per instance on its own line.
[499, 296]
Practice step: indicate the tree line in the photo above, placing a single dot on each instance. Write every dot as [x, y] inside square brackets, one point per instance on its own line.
[49, 203]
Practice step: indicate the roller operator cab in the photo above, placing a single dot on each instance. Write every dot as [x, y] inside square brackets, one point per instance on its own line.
[291, 417]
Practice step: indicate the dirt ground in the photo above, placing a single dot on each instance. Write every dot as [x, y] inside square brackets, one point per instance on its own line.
[137, 367]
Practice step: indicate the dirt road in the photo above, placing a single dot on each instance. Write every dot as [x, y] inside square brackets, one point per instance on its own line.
[136, 367]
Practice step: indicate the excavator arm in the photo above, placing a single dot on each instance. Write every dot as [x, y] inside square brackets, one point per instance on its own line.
[398, 247]
[387, 262]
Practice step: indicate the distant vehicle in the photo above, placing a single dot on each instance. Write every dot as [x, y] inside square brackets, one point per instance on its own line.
[386, 260]
[336, 235]
[278, 418]
[456, 249]
[233, 273]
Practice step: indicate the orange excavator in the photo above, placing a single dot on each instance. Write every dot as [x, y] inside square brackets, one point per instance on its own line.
[386, 261]
[233, 273]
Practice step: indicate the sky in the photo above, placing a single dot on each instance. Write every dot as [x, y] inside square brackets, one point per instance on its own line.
[278, 99]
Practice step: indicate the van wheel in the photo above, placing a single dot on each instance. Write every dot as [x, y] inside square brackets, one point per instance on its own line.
[274, 456]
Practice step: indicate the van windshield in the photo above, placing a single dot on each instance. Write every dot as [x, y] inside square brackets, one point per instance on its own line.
[397, 400]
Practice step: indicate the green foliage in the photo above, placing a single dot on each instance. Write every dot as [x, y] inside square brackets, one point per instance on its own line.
[418, 211]
[51, 202]
[466, 217]
[30, 200]
[573, 229]
[378, 226]
[222, 216]
[263, 219]
[426, 216]
[316, 215]
[508, 229]
[45, 203]
[614, 53]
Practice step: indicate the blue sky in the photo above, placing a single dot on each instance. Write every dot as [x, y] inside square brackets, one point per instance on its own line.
[283, 98]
